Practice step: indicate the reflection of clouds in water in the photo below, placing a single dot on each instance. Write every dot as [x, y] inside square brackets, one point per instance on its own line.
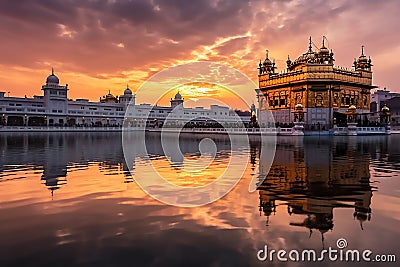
[87, 212]
[195, 78]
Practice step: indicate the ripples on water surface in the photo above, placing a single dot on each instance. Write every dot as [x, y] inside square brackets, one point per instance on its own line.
[68, 199]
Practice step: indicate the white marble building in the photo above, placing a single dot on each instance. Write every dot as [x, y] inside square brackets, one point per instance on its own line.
[54, 108]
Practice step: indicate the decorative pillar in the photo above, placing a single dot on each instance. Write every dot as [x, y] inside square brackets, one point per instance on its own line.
[298, 128]
[385, 118]
[351, 120]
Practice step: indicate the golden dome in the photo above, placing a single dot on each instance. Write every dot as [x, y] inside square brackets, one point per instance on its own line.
[385, 108]
[352, 107]
[267, 62]
[323, 49]
[298, 106]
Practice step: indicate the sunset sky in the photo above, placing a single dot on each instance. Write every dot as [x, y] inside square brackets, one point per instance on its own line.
[99, 45]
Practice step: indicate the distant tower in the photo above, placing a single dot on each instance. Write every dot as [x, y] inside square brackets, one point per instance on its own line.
[127, 97]
[52, 89]
[55, 99]
[178, 100]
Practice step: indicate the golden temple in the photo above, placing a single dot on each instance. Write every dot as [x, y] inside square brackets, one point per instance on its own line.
[312, 81]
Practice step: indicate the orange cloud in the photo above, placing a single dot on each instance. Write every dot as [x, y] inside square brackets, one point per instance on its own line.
[100, 45]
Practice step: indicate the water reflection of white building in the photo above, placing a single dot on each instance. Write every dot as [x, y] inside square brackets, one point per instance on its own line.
[54, 108]
[57, 154]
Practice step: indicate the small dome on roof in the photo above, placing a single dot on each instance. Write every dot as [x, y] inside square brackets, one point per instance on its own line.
[178, 96]
[288, 61]
[267, 66]
[308, 57]
[385, 108]
[298, 106]
[267, 62]
[127, 91]
[52, 78]
[362, 59]
[352, 107]
[362, 62]
[323, 49]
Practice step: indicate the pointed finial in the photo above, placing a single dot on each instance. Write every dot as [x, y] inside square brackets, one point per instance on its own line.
[127, 85]
[266, 53]
[288, 61]
[109, 91]
[323, 41]
[52, 71]
[362, 50]
[310, 45]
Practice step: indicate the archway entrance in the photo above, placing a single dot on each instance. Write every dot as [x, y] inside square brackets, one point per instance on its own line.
[341, 118]
[36, 121]
[71, 122]
[15, 121]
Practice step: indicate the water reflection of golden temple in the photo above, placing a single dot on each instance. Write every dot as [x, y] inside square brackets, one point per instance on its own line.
[313, 178]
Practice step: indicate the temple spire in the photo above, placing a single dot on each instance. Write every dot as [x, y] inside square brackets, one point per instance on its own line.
[323, 41]
[266, 54]
[310, 45]
[362, 50]
[52, 71]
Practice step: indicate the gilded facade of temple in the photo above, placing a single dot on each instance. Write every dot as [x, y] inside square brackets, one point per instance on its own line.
[324, 90]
